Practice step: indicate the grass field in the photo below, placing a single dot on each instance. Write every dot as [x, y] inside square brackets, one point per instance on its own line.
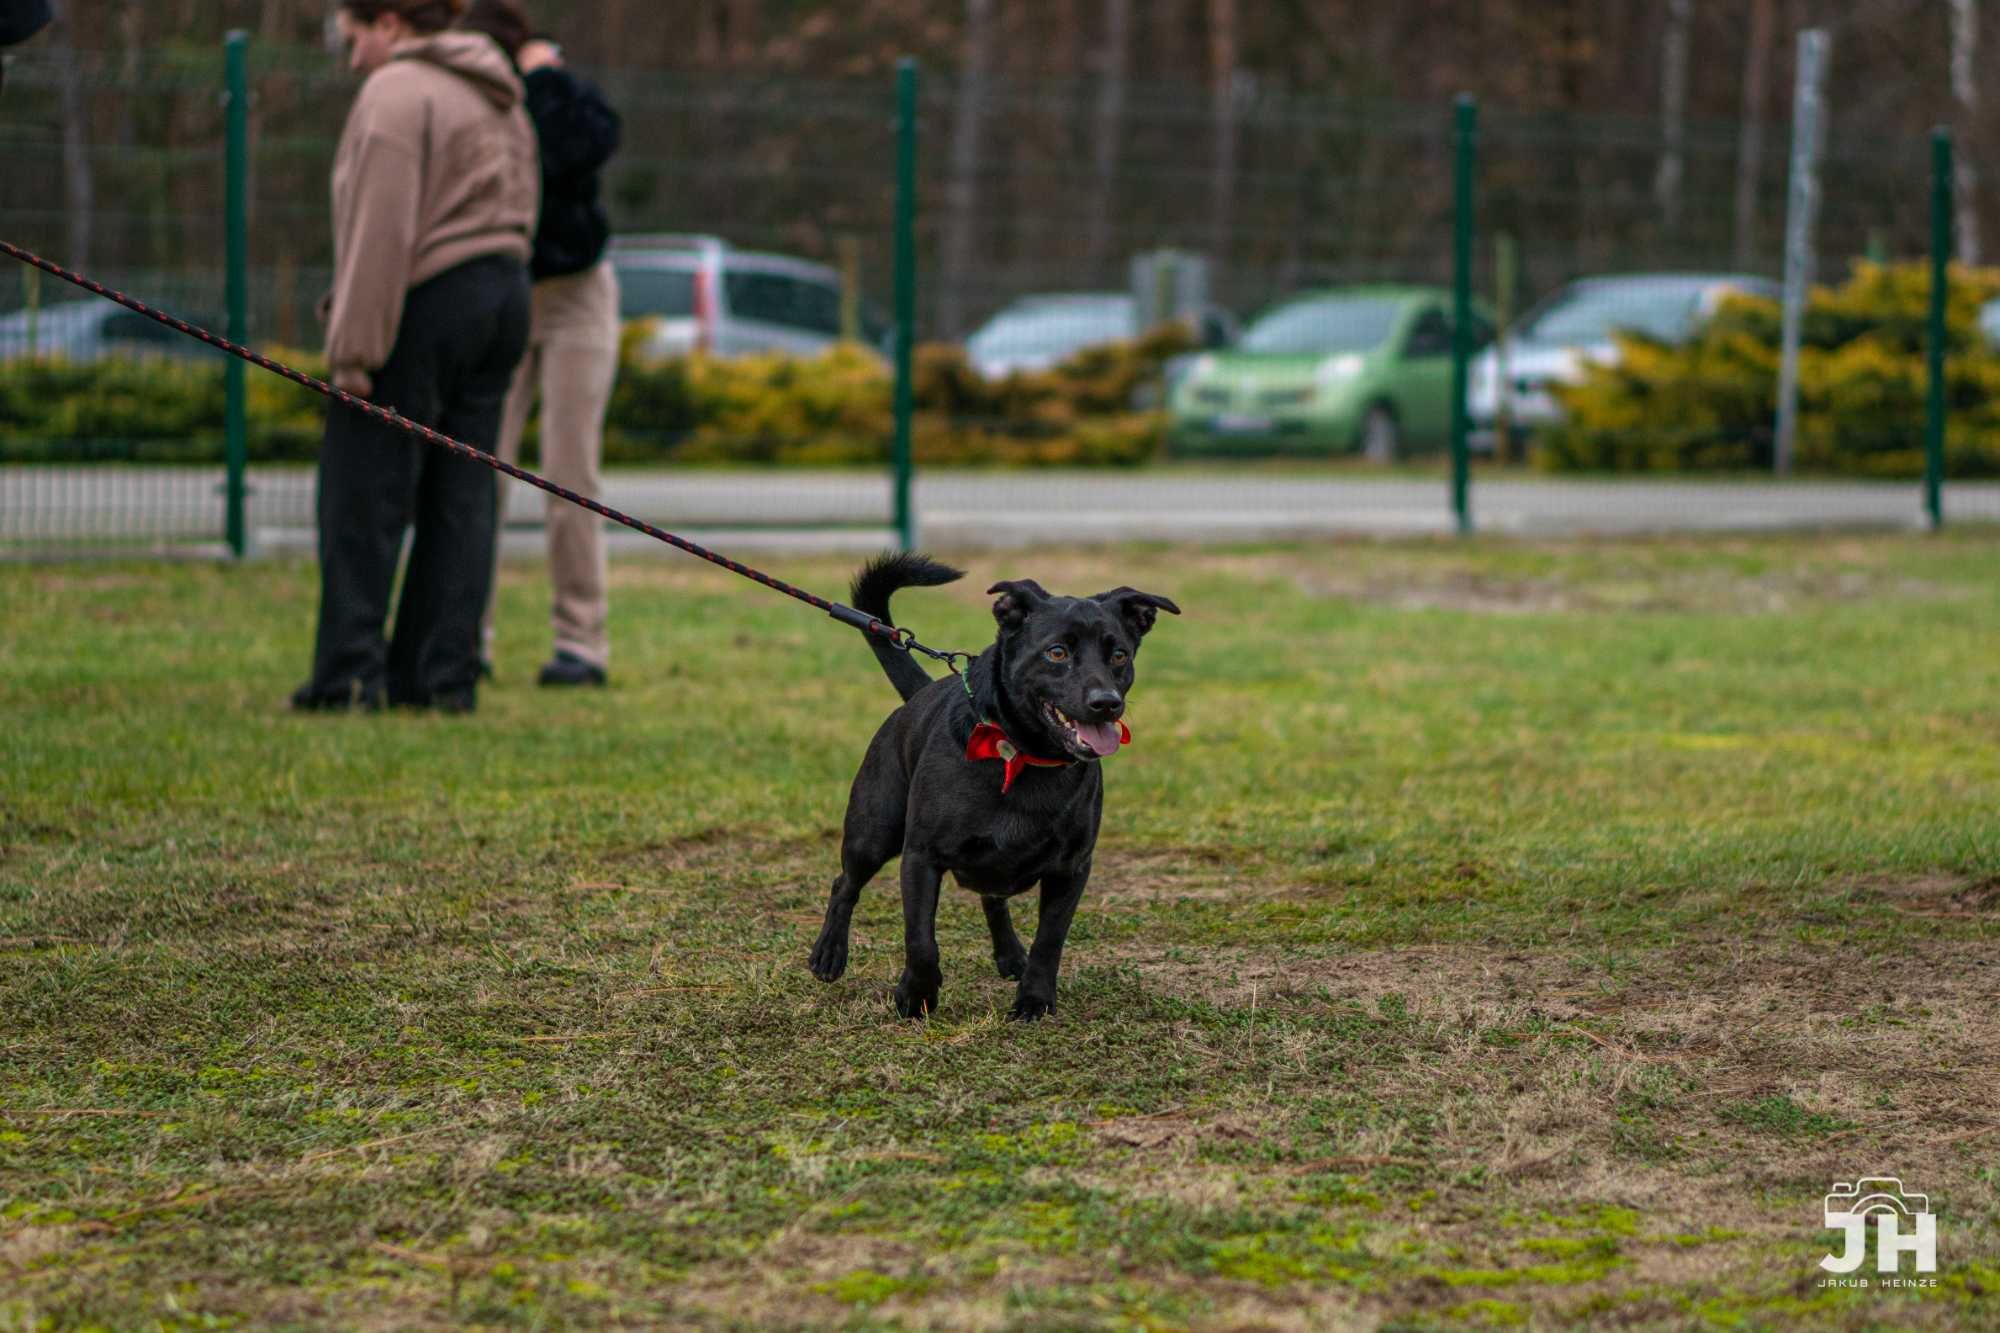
[1482, 935]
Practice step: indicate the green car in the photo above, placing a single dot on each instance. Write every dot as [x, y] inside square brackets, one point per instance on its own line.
[1344, 369]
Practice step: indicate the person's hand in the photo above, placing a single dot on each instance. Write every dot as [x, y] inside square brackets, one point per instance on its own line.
[539, 53]
[354, 380]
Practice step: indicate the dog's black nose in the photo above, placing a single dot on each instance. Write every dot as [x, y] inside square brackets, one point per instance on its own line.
[1104, 705]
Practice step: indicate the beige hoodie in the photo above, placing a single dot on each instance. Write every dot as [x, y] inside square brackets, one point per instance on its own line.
[438, 165]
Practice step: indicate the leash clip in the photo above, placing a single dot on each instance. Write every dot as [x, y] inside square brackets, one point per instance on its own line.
[906, 639]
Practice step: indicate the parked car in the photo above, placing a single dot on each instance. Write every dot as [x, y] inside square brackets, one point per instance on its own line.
[1329, 371]
[1552, 342]
[96, 329]
[704, 295]
[1035, 333]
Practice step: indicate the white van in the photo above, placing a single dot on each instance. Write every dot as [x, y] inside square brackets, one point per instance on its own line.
[707, 296]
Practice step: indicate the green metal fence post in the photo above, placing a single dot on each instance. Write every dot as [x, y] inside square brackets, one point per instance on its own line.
[1467, 126]
[1506, 261]
[906, 287]
[234, 210]
[1934, 338]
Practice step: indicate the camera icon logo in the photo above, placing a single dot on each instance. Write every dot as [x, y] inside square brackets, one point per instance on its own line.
[1904, 1224]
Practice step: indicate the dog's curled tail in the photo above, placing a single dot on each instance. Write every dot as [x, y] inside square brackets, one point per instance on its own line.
[878, 580]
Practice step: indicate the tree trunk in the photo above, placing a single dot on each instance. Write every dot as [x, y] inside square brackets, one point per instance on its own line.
[79, 192]
[708, 35]
[1222, 63]
[743, 28]
[1573, 170]
[1068, 41]
[967, 144]
[1105, 133]
[132, 46]
[1750, 138]
[1965, 183]
[1673, 113]
[610, 27]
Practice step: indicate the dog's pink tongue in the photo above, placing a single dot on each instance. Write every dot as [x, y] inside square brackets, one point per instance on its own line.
[1101, 737]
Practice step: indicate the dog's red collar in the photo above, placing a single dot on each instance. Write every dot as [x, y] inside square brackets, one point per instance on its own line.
[990, 742]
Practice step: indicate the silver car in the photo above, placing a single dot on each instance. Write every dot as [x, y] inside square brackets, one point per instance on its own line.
[1551, 344]
[706, 296]
[93, 330]
[1036, 333]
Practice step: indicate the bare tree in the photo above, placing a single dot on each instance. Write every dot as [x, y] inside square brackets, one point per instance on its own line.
[1965, 192]
[1104, 134]
[967, 143]
[79, 191]
[708, 35]
[131, 45]
[1573, 171]
[611, 31]
[1750, 137]
[743, 25]
[1673, 112]
[1068, 37]
[1222, 71]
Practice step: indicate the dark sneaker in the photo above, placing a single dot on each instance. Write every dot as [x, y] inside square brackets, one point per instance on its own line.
[569, 669]
[307, 699]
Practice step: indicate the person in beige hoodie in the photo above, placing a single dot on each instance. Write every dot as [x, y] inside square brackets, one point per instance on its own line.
[435, 194]
[572, 357]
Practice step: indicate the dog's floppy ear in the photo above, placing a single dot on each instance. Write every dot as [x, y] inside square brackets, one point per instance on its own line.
[1018, 598]
[1135, 608]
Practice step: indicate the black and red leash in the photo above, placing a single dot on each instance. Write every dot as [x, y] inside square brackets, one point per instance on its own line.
[847, 615]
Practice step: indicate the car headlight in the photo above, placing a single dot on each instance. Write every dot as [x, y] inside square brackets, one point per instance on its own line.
[1334, 369]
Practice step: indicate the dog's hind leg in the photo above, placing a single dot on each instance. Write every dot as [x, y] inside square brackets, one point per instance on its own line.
[860, 859]
[1060, 895]
[1008, 955]
[917, 992]
[870, 835]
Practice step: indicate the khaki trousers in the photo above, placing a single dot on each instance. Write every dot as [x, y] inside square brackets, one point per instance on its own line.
[572, 359]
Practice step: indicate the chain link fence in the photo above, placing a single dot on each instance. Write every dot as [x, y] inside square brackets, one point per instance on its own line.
[1248, 292]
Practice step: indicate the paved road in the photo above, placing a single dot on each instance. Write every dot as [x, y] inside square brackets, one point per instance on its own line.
[842, 510]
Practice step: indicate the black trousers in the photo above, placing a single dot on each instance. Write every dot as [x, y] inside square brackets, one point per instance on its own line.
[461, 335]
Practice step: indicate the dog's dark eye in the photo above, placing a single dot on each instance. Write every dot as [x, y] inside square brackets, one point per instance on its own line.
[1057, 653]
[1119, 657]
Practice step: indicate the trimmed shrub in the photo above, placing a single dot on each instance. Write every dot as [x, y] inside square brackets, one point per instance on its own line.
[153, 411]
[825, 410]
[1708, 405]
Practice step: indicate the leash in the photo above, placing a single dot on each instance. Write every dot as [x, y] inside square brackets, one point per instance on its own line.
[904, 639]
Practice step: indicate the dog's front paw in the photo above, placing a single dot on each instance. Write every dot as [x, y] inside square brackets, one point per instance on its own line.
[829, 955]
[1011, 965]
[1028, 1008]
[915, 1001]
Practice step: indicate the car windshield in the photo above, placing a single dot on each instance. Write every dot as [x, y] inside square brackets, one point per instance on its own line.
[660, 292]
[1661, 308]
[1341, 324]
[1053, 329]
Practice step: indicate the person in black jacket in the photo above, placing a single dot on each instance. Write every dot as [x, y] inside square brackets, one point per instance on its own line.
[573, 345]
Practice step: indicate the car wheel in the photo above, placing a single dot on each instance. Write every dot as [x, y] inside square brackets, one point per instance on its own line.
[1381, 436]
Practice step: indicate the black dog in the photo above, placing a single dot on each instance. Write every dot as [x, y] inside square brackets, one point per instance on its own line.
[992, 777]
